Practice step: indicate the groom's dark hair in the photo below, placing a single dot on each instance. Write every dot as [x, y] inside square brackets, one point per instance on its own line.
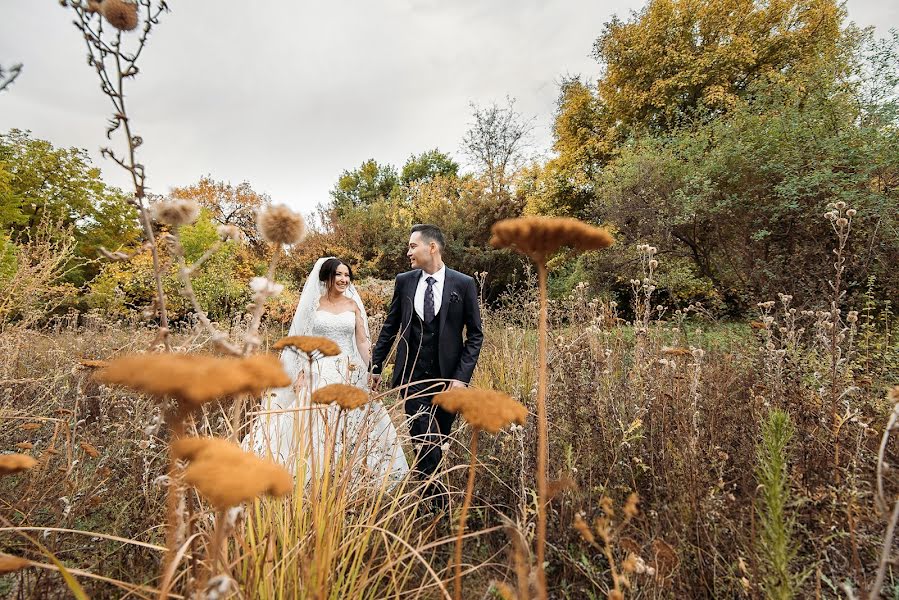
[430, 233]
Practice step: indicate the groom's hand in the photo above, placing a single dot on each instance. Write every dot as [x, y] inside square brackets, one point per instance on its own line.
[455, 383]
[374, 382]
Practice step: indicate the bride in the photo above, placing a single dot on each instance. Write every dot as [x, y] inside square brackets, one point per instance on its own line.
[329, 307]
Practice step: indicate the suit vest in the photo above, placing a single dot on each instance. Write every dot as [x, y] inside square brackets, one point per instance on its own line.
[424, 347]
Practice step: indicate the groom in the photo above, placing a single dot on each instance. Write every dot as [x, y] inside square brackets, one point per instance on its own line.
[431, 305]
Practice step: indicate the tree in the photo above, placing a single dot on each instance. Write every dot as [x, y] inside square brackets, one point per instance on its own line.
[228, 205]
[364, 185]
[427, 166]
[680, 58]
[496, 142]
[741, 197]
[42, 184]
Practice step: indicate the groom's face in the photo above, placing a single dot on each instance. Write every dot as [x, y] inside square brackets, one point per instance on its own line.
[419, 253]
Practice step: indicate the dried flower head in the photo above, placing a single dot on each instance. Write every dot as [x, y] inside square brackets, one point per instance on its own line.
[194, 379]
[265, 287]
[583, 528]
[230, 233]
[630, 506]
[538, 237]
[119, 13]
[9, 563]
[893, 395]
[504, 590]
[15, 463]
[226, 475]
[24, 445]
[488, 410]
[93, 364]
[280, 225]
[175, 212]
[90, 450]
[309, 345]
[346, 396]
[30, 426]
[671, 351]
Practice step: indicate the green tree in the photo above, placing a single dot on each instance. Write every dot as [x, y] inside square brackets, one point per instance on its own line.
[43, 184]
[364, 185]
[428, 165]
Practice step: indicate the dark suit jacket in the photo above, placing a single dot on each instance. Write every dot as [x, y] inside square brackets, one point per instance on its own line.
[458, 308]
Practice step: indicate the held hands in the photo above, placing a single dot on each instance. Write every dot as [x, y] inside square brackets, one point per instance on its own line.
[374, 382]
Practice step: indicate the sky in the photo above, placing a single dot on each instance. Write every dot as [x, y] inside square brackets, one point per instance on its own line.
[286, 95]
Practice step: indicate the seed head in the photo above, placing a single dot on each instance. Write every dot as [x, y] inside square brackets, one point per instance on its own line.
[93, 364]
[226, 475]
[120, 14]
[630, 507]
[280, 225]
[670, 351]
[90, 450]
[15, 463]
[488, 410]
[194, 379]
[539, 237]
[24, 445]
[8, 563]
[175, 212]
[346, 396]
[584, 529]
[230, 233]
[309, 345]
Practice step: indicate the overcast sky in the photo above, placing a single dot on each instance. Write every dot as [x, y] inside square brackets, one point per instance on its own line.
[287, 94]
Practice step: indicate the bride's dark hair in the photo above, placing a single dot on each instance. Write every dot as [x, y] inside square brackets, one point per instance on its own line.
[329, 271]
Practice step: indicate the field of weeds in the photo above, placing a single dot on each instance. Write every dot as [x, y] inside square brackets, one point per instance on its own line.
[750, 478]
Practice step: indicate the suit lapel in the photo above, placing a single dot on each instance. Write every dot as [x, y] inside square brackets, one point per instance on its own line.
[444, 298]
[409, 296]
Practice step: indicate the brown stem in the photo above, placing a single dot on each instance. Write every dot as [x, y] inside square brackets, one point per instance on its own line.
[252, 342]
[541, 434]
[462, 517]
[885, 553]
[174, 518]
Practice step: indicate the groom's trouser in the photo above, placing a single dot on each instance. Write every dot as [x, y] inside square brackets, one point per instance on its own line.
[429, 425]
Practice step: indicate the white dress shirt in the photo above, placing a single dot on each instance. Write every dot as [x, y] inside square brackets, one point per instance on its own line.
[419, 300]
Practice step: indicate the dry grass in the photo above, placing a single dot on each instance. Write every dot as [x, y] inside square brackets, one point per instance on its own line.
[685, 440]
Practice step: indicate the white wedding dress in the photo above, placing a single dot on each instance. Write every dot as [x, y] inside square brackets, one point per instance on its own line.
[289, 424]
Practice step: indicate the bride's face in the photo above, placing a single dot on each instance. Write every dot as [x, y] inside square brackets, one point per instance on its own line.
[341, 278]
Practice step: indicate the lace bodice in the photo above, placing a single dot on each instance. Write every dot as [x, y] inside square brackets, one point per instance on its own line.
[340, 327]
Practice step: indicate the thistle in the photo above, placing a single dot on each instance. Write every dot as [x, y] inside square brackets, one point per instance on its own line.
[176, 212]
[280, 225]
[538, 238]
[486, 410]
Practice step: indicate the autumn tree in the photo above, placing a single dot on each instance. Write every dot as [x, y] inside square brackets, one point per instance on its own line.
[228, 205]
